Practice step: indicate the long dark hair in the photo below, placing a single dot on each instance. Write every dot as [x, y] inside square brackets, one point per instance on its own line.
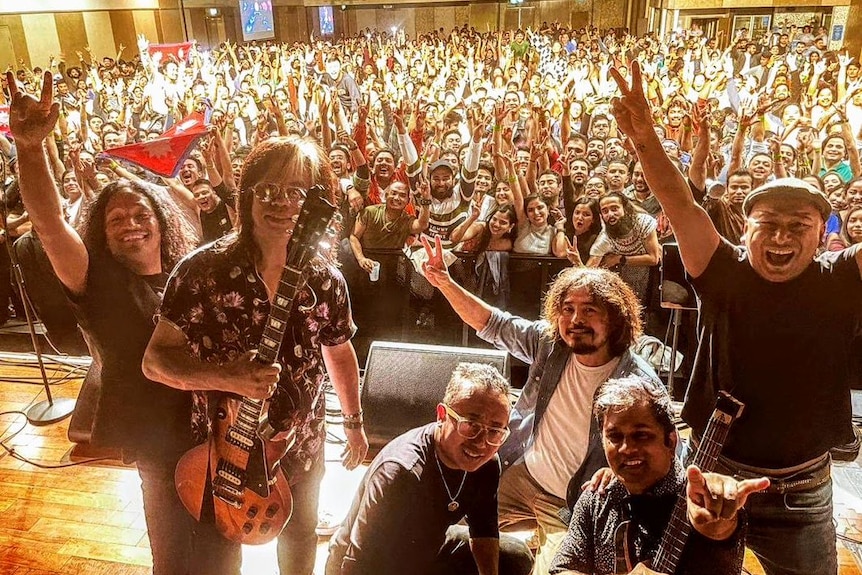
[593, 205]
[178, 236]
[485, 238]
[288, 153]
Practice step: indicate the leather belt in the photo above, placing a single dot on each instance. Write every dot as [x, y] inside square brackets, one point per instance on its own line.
[802, 480]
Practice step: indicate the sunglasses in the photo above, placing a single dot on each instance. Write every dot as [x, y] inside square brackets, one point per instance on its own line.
[267, 192]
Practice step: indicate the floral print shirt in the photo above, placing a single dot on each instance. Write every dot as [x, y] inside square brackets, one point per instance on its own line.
[218, 300]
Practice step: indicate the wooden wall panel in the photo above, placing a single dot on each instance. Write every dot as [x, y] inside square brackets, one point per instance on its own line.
[100, 34]
[145, 23]
[170, 26]
[123, 24]
[72, 33]
[19, 41]
[483, 17]
[42, 40]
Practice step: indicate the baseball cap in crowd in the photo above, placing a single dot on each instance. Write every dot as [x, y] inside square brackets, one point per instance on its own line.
[715, 188]
[789, 188]
[441, 164]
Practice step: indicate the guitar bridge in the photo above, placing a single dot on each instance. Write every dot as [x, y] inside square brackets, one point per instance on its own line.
[229, 483]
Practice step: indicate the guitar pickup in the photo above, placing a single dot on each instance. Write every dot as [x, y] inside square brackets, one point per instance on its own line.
[229, 475]
[239, 439]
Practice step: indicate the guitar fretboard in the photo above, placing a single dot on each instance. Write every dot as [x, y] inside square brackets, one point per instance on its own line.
[676, 533]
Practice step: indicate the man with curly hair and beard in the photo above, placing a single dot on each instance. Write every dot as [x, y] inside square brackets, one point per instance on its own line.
[113, 271]
[590, 320]
[628, 242]
[212, 319]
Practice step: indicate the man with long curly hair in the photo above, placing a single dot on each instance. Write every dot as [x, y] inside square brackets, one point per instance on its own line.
[591, 318]
[212, 319]
[113, 272]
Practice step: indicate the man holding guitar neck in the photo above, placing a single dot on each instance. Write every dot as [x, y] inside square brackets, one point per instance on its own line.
[775, 325]
[212, 318]
[639, 440]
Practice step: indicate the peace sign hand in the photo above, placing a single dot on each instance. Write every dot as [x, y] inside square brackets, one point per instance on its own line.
[31, 120]
[632, 111]
[434, 269]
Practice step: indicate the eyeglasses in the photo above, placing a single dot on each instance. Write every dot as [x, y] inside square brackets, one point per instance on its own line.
[268, 192]
[469, 429]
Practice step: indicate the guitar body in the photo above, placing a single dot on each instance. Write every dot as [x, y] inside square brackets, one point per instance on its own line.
[251, 508]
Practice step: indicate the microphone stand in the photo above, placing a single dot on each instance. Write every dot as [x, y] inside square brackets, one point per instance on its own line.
[50, 410]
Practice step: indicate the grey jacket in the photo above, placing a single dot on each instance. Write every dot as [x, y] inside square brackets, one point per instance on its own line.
[547, 359]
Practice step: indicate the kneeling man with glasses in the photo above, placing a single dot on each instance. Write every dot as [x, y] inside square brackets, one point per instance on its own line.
[404, 517]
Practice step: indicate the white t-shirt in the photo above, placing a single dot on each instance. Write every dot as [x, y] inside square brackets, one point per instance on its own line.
[564, 432]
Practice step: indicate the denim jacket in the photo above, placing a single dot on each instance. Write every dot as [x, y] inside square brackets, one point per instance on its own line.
[547, 359]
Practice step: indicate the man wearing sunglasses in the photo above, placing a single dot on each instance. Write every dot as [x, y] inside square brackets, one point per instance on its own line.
[213, 315]
[591, 317]
[405, 515]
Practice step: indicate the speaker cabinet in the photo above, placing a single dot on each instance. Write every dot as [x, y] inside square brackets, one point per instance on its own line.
[404, 382]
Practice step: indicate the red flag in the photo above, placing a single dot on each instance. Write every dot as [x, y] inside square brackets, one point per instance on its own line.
[164, 155]
[4, 120]
[179, 51]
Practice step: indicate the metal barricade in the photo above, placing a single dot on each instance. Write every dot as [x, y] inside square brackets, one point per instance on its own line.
[402, 306]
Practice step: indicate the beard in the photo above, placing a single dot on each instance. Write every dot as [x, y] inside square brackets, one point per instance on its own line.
[583, 348]
[622, 228]
[584, 341]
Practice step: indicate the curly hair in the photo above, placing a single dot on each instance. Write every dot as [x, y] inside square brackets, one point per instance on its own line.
[609, 292]
[178, 236]
[297, 154]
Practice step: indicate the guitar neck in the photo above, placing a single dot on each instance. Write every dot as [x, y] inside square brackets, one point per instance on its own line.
[276, 324]
[248, 418]
[678, 528]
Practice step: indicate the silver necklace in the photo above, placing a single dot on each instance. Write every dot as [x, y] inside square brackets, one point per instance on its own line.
[453, 505]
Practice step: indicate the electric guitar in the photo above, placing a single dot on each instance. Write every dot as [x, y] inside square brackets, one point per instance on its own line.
[241, 461]
[727, 410]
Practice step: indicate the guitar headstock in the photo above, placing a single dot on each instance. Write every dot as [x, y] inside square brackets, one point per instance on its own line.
[727, 407]
[311, 226]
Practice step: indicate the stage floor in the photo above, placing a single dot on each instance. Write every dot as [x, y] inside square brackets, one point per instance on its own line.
[88, 519]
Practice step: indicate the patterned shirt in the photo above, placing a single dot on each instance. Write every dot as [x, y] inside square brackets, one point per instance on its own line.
[632, 244]
[590, 544]
[218, 300]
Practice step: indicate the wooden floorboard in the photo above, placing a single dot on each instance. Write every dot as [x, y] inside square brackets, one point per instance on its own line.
[89, 520]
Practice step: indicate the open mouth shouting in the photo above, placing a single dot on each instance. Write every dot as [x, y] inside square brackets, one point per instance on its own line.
[779, 257]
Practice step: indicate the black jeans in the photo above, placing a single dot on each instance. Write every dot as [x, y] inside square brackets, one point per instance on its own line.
[169, 526]
[454, 558]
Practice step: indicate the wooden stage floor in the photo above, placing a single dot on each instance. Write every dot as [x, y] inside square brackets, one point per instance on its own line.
[88, 519]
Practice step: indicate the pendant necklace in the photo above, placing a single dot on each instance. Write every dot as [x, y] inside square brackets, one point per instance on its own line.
[453, 505]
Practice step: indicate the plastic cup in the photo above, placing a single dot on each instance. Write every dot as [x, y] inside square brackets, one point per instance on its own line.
[375, 272]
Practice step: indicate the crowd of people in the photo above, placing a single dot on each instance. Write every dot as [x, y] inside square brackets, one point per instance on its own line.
[592, 147]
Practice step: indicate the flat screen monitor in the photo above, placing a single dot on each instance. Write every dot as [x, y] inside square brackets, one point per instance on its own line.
[327, 21]
[256, 20]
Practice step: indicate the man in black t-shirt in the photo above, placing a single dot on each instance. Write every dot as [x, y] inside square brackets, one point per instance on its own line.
[404, 516]
[775, 326]
[217, 217]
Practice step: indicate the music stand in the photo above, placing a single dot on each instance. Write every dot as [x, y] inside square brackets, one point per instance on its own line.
[50, 410]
